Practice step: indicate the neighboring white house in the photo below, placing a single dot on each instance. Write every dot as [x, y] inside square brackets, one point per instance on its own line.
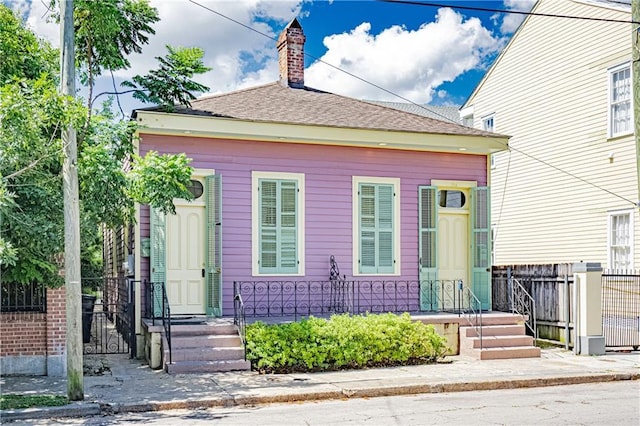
[562, 89]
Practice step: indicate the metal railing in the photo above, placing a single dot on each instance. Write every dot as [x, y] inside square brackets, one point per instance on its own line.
[473, 314]
[523, 304]
[157, 308]
[621, 308]
[16, 297]
[240, 321]
[296, 299]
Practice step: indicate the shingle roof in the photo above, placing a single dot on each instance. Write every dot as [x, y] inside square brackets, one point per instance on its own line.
[279, 104]
[438, 112]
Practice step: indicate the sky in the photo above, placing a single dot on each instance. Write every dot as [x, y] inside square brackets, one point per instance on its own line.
[424, 54]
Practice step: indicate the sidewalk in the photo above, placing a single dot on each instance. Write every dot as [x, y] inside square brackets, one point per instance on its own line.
[131, 386]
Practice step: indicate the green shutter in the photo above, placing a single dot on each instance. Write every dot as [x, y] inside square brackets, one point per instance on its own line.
[213, 250]
[481, 245]
[384, 206]
[376, 228]
[158, 255]
[278, 221]
[427, 244]
[288, 226]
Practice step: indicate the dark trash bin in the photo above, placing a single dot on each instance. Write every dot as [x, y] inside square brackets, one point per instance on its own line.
[88, 303]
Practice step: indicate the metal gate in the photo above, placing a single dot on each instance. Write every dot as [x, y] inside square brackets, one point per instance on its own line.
[621, 308]
[108, 316]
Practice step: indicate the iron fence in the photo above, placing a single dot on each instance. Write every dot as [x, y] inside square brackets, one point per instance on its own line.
[16, 297]
[621, 308]
[295, 299]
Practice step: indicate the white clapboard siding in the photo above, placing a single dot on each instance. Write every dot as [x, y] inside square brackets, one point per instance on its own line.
[549, 91]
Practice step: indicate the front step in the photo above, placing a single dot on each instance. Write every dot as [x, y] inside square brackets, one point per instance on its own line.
[204, 348]
[503, 338]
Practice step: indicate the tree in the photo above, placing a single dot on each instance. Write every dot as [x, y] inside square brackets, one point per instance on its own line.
[32, 114]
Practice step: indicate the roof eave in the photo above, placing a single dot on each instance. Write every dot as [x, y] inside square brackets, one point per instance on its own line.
[162, 123]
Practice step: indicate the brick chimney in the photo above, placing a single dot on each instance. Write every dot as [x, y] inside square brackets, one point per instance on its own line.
[291, 55]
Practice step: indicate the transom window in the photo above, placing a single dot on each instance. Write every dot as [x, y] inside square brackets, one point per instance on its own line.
[620, 109]
[278, 234]
[620, 240]
[376, 217]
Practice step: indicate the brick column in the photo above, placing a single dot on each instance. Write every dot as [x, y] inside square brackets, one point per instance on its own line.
[56, 332]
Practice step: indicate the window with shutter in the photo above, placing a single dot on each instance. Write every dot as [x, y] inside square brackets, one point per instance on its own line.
[376, 225]
[278, 217]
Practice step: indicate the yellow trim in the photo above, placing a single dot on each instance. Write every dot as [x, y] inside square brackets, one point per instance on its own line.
[454, 183]
[157, 123]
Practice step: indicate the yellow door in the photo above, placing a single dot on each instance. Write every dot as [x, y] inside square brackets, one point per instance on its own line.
[185, 258]
[453, 243]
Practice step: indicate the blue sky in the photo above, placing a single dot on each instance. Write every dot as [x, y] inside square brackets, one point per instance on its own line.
[424, 54]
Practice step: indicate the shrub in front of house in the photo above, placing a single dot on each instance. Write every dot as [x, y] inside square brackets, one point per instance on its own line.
[341, 342]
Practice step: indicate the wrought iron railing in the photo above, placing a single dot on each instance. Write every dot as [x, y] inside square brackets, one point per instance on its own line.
[523, 304]
[240, 321]
[304, 298]
[15, 297]
[473, 313]
[157, 308]
[621, 308]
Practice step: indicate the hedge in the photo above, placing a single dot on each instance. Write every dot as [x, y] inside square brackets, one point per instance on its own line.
[343, 341]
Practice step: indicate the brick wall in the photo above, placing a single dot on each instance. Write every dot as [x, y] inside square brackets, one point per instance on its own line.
[28, 339]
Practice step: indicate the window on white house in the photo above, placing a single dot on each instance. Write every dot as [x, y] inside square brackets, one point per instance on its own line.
[487, 123]
[620, 108]
[620, 240]
[278, 220]
[376, 224]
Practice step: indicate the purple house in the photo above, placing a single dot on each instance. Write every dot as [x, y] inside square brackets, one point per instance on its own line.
[286, 176]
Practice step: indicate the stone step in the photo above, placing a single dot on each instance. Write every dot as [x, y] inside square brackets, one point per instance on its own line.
[216, 340]
[180, 367]
[497, 341]
[206, 354]
[494, 330]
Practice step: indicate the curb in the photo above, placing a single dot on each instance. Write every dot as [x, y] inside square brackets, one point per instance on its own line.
[83, 409]
[76, 409]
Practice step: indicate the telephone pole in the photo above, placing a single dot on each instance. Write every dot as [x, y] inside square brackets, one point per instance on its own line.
[75, 379]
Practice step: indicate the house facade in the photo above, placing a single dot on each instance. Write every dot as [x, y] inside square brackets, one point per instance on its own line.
[286, 176]
[566, 190]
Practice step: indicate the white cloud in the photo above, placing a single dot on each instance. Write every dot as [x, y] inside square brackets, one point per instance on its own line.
[411, 63]
[511, 21]
[38, 19]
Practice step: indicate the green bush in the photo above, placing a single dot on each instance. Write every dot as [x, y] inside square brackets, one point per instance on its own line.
[343, 341]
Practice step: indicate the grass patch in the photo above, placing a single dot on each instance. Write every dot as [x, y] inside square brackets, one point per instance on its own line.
[13, 401]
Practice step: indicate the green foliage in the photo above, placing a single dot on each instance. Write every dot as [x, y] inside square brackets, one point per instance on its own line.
[157, 179]
[22, 53]
[16, 401]
[171, 83]
[107, 31]
[344, 341]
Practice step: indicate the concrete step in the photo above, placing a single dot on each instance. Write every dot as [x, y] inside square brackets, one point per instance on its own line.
[497, 341]
[209, 341]
[203, 329]
[206, 354]
[509, 353]
[497, 319]
[494, 330]
[180, 367]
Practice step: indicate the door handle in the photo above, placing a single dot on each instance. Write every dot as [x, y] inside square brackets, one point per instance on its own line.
[202, 272]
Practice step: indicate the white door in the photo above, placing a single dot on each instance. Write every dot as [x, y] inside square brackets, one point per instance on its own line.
[185, 265]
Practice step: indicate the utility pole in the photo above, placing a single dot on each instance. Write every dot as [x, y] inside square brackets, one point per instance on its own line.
[75, 379]
[635, 79]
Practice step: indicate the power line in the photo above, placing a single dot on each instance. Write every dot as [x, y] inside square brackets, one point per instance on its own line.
[328, 64]
[411, 102]
[516, 12]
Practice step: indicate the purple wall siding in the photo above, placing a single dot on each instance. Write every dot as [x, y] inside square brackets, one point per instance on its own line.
[328, 178]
